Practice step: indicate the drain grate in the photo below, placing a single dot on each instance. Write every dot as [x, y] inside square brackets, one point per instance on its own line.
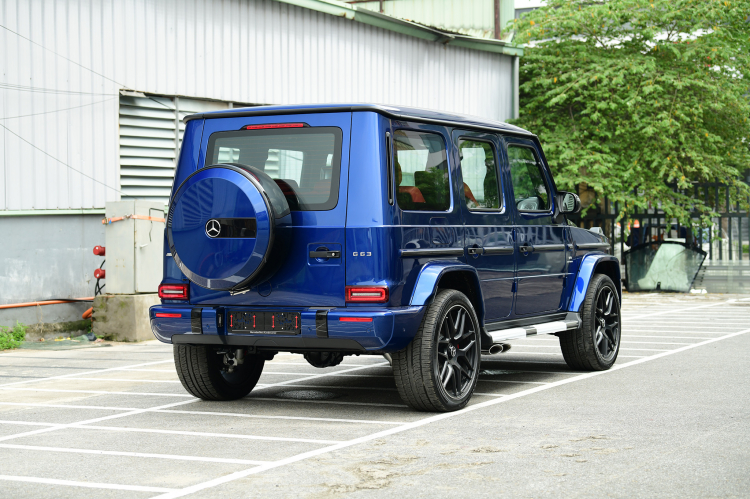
[308, 395]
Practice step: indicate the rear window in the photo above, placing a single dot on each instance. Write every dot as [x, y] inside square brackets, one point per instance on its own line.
[421, 165]
[304, 162]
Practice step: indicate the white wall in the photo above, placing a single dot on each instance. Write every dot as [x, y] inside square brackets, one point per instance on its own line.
[257, 51]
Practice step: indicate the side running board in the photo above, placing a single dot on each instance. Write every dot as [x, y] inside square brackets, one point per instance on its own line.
[570, 322]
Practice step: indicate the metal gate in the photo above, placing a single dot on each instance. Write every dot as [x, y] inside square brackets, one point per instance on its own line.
[726, 240]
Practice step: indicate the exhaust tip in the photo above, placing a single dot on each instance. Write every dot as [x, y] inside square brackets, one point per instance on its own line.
[496, 348]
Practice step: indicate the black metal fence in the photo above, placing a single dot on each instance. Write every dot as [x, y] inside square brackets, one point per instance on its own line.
[726, 238]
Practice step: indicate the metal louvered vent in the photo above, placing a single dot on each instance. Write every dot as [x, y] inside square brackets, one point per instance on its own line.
[151, 128]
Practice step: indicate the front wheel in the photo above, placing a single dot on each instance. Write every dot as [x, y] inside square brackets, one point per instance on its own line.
[439, 369]
[595, 345]
[204, 374]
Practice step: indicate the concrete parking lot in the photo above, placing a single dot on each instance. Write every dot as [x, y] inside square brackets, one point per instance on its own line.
[669, 420]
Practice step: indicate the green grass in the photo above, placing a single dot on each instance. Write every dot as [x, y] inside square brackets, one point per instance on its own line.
[12, 337]
[746, 248]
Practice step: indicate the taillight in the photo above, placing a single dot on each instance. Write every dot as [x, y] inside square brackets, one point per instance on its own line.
[355, 319]
[173, 291]
[367, 294]
[158, 314]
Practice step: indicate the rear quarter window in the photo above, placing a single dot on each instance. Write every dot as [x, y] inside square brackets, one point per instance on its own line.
[304, 162]
[421, 168]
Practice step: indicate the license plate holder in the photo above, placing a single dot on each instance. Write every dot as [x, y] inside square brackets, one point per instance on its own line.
[264, 322]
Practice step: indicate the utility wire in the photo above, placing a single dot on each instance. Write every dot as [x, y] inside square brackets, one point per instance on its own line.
[58, 160]
[80, 66]
[41, 90]
[55, 110]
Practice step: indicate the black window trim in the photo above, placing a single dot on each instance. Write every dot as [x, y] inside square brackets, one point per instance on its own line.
[447, 158]
[550, 193]
[389, 167]
[338, 142]
[499, 174]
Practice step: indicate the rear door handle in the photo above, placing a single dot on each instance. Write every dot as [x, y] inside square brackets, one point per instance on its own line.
[325, 254]
[475, 250]
[526, 249]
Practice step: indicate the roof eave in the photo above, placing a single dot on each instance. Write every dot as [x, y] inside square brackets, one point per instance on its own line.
[409, 28]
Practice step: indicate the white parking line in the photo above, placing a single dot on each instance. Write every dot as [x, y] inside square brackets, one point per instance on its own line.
[98, 392]
[147, 370]
[280, 363]
[292, 418]
[508, 381]
[439, 417]
[205, 413]
[554, 340]
[63, 376]
[340, 387]
[679, 329]
[557, 346]
[94, 420]
[133, 454]
[333, 374]
[90, 485]
[651, 343]
[240, 436]
[667, 337]
[66, 406]
[130, 380]
[681, 311]
[334, 402]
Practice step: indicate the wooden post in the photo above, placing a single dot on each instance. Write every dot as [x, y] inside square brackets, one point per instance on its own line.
[497, 19]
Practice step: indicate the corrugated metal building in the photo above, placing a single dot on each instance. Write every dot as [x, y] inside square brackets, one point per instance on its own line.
[92, 94]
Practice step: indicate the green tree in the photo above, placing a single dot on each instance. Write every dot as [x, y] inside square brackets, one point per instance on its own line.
[630, 96]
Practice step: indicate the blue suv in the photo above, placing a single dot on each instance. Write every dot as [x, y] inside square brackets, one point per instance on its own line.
[425, 237]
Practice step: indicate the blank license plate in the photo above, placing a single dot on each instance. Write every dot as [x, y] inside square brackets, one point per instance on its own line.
[264, 322]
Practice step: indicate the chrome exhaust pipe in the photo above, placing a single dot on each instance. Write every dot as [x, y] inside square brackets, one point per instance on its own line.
[498, 348]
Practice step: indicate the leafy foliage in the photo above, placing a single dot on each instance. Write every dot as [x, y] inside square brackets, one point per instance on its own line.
[12, 337]
[629, 96]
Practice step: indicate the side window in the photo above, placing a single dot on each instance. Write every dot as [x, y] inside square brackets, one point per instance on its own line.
[529, 187]
[479, 171]
[421, 167]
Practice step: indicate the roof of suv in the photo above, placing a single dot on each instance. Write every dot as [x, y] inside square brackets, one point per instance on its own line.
[394, 112]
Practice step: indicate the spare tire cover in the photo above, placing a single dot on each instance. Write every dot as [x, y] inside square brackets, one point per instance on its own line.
[220, 227]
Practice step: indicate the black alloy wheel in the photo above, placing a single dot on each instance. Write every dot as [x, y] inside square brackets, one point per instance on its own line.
[457, 352]
[595, 345]
[607, 321]
[439, 369]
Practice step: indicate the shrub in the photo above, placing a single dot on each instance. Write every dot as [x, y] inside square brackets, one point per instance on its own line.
[12, 337]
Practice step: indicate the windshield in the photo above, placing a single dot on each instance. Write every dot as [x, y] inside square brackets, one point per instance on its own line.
[304, 162]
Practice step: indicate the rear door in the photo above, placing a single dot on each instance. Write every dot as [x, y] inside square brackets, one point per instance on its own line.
[488, 231]
[540, 243]
[430, 220]
[309, 157]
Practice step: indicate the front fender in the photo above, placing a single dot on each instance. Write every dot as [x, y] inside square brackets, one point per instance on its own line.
[429, 278]
[586, 270]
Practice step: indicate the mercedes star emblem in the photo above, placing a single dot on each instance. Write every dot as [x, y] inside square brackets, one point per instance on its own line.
[213, 228]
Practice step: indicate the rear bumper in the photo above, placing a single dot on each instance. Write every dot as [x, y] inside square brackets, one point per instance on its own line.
[391, 329]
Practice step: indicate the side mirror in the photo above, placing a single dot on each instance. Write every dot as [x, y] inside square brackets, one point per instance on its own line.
[569, 202]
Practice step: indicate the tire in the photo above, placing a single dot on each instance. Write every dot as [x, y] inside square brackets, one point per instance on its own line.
[423, 369]
[202, 372]
[593, 347]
